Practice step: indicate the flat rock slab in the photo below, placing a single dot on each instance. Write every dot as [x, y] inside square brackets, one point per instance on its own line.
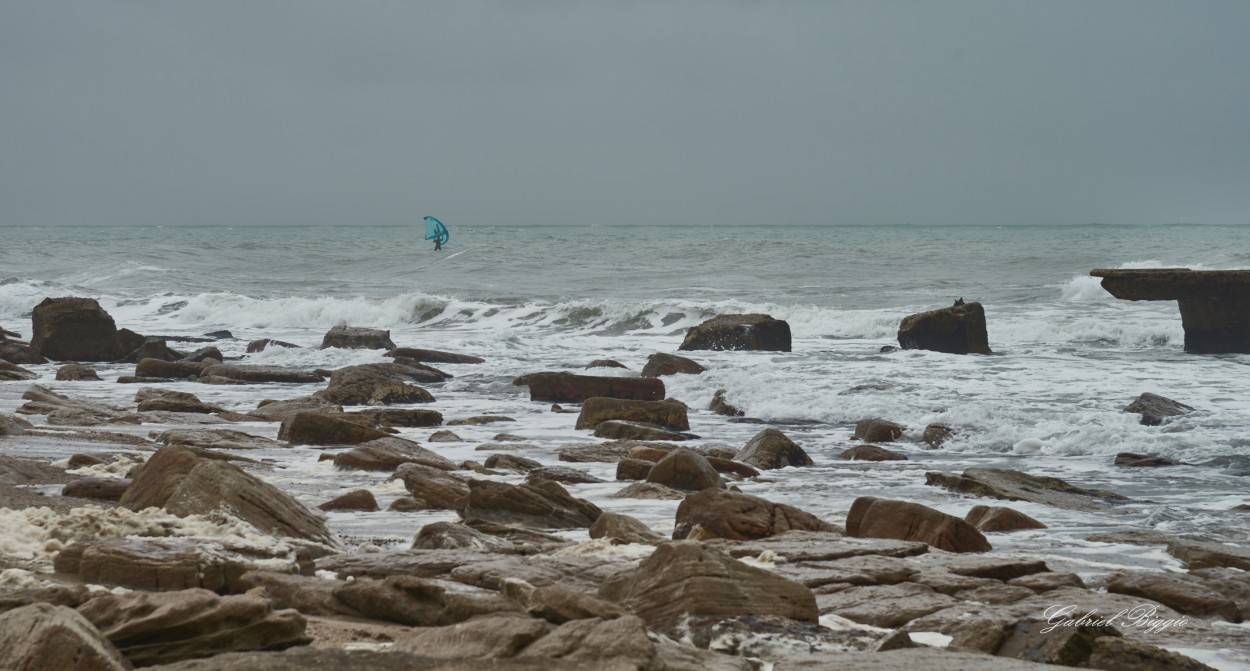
[927, 659]
[1214, 304]
[1002, 483]
[809, 546]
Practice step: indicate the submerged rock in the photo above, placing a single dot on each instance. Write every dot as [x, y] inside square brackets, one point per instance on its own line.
[570, 388]
[433, 356]
[1002, 483]
[740, 517]
[902, 520]
[357, 337]
[771, 449]
[997, 518]
[661, 364]
[1155, 409]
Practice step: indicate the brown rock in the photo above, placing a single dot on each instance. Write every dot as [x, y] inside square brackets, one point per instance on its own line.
[73, 372]
[43, 636]
[619, 429]
[183, 484]
[878, 431]
[444, 437]
[74, 329]
[216, 439]
[885, 518]
[277, 411]
[105, 489]
[633, 469]
[739, 332]
[1014, 485]
[686, 584]
[357, 499]
[1118, 654]
[989, 519]
[378, 384]
[771, 449]
[1155, 409]
[260, 345]
[11, 372]
[608, 363]
[721, 407]
[648, 490]
[253, 374]
[357, 337]
[733, 516]
[661, 364]
[936, 434]
[307, 428]
[569, 388]
[667, 414]
[166, 627]
[421, 602]
[387, 454]
[1199, 554]
[453, 536]
[434, 487]
[624, 528]
[178, 370]
[512, 463]
[1134, 460]
[157, 564]
[685, 470]
[562, 474]
[433, 356]
[884, 605]
[1182, 593]
[872, 453]
[1044, 582]
[410, 417]
[489, 637]
[954, 330]
[541, 504]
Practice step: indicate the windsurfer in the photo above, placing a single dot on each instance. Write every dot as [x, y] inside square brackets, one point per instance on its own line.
[438, 245]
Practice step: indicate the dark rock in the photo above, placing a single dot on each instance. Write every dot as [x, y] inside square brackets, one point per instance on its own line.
[570, 388]
[685, 470]
[178, 370]
[478, 420]
[661, 364]
[12, 425]
[512, 463]
[1132, 459]
[620, 429]
[1215, 304]
[166, 627]
[444, 437]
[740, 517]
[105, 489]
[687, 586]
[12, 372]
[152, 399]
[668, 414]
[183, 484]
[954, 330]
[307, 428]
[253, 374]
[649, 491]
[487, 637]
[872, 453]
[205, 354]
[260, 345]
[606, 363]
[43, 636]
[17, 352]
[562, 474]
[433, 356]
[633, 469]
[154, 349]
[739, 332]
[989, 519]
[1155, 409]
[387, 454]
[721, 407]
[771, 449]
[72, 372]
[877, 431]
[434, 488]
[452, 536]
[885, 518]
[1002, 483]
[277, 411]
[407, 417]
[216, 439]
[1118, 654]
[1199, 554]
[357, 499]
[356, 337]
[936, 434]
[74, 329]
[421, 602]
[559, 604]
[623, 528]
[542, 504]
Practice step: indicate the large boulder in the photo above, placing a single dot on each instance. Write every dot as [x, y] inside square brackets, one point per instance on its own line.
[988, 519]
[357, 337]
[871, 453]
[70, 372]
[739, 332]
[1012, 485]
[740, 517]
[662, 363]
[878, 430]
[688, 585]
[541, 504]
[1214, 304]
[277, 411]
[387, 454]
[411, 417]
[624, 528]
[171, 626]
[377, 384]
[74, 329]
[1154, 409]
[686, 470]
[667, 414]
[46, 637]
[311, 428]
[570, 388]
[871, 517]
[175, 479]
[155, 399]
[959, 329]
[770, 449]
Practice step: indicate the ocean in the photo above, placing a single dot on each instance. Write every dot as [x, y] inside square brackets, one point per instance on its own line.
[1067, 356]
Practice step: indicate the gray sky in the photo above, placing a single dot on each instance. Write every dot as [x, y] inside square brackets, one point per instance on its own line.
[244, 112]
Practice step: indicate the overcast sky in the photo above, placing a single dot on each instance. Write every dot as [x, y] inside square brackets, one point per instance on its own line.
[607, 112]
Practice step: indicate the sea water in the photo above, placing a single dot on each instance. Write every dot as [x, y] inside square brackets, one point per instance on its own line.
[1067, 356]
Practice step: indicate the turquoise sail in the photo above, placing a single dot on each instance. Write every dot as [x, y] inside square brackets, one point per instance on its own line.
[435, 230]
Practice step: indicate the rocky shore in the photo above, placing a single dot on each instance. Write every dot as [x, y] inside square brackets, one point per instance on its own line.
[156, 534]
